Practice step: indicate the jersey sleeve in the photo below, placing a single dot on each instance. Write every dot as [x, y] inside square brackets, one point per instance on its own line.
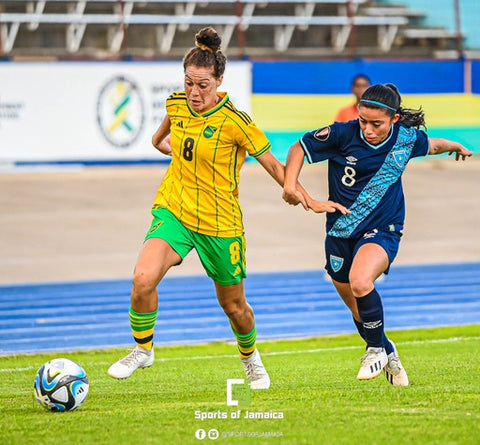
[320, 144]
[422, 145]
[253, 139]
[174, 100]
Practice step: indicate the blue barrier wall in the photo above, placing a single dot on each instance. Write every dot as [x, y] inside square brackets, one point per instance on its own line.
[476, 77]
[334, 77]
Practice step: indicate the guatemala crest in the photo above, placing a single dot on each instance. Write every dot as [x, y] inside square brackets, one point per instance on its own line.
[336, 263]
[399, 157]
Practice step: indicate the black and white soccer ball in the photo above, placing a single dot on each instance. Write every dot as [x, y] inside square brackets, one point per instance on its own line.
[60, 385]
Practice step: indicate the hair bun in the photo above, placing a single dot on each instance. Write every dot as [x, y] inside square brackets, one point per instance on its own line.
[207, 39]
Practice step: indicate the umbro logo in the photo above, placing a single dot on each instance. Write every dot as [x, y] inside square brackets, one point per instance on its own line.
[155, 227]
[370, 234]
[372, 324]
[179, 124]
[351, 160]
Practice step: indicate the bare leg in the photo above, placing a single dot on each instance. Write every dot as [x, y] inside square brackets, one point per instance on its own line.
[234, 304]
[345, 291]
[153, 263]
[240, 313]
[369, 263]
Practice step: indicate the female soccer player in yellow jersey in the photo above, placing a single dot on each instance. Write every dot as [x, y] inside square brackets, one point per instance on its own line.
[197, 205]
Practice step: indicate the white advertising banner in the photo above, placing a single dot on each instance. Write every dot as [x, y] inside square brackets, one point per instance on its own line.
[93, 111]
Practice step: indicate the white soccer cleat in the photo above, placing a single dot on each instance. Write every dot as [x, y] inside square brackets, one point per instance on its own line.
[256, 372]
[373, 362]
[394, 371]
[125, 367]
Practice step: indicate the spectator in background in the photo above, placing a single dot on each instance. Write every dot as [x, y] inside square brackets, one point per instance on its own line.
[350, 112]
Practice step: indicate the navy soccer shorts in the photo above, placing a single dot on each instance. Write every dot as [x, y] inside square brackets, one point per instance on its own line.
[340, 252]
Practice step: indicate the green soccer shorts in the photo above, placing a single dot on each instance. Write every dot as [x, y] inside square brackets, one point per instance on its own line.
[222, 258]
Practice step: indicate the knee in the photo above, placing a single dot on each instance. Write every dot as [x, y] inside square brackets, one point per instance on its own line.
[360, 285]
[235, 309]
[143, 285]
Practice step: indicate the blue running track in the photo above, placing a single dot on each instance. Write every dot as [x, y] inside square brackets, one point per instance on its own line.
[94, 314]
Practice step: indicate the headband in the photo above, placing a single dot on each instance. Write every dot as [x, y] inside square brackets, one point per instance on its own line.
[380, 104]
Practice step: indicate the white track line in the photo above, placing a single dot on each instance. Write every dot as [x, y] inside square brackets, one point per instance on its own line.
[304, 351]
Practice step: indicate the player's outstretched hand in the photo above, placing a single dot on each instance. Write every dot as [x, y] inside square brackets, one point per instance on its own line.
[295, 197]
[327, 206]
[461, 152]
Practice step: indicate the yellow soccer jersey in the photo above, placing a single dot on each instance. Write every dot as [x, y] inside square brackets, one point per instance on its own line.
[201, 184]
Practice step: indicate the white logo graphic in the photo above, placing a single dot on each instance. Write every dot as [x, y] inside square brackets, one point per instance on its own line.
[200, 434]
[352, 160]
[371, 234]
[243, 393]
[372, 324]
[120, 111]
[213, 434]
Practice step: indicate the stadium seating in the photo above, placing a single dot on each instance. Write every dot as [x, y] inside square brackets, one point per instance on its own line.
[254, 28]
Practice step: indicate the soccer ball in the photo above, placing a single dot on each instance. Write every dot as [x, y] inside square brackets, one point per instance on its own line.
[60, 385]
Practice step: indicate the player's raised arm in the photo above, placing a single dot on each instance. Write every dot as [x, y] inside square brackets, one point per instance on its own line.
[292, 172]
[292, 189]
[277, 170]
[160, 139]
[441, 145]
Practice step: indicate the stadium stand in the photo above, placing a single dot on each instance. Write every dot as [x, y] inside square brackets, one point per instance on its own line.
[255, 28]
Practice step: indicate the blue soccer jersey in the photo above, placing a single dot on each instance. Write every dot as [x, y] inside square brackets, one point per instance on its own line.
[365, 178]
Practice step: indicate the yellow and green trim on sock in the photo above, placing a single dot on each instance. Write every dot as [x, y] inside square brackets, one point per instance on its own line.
[246, 342]
[143, 324]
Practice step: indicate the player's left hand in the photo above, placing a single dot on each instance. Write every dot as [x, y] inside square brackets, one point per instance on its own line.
[165, 146]
[462, 152]
[327, 206]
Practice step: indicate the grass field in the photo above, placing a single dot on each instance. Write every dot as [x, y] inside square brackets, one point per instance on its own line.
[313, 387]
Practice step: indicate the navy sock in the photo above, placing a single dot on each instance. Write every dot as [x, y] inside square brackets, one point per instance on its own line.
[360, 328]
[370, 309]
[387, 345]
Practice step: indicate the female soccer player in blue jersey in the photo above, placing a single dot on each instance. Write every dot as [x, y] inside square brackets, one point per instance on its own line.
[197, 205]
[366, 159]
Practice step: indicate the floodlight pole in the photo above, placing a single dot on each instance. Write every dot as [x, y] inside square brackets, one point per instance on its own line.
[123, 27]
[352, 38]
[458, 28]
[240, 29]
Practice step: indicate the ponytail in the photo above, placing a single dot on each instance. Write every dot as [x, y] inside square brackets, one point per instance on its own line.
[387, 97]
[206, 52]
